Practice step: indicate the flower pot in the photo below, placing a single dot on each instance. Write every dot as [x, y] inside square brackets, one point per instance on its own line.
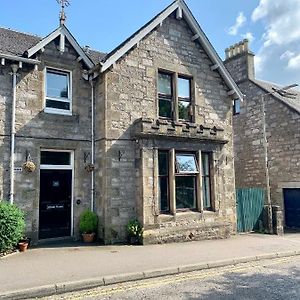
[88, 237]
[23, 246]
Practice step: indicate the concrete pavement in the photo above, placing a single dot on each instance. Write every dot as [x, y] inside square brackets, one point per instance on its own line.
[49, 270]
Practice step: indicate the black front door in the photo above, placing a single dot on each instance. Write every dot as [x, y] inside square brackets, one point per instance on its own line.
[55, 203]
[292, 207]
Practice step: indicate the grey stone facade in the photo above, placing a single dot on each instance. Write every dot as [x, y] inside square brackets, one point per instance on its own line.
[128, 136]
[36, 130]
[282, 130]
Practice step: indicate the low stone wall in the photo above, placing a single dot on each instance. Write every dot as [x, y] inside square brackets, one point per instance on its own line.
[187, 233]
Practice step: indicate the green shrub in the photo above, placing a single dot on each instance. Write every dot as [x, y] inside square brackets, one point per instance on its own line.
[134, 229]
[12, 226]
[88, 222]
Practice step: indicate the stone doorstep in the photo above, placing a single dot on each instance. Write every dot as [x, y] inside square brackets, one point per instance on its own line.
[73, 286]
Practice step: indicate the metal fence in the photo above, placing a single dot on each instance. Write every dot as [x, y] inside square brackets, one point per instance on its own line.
[249, 206]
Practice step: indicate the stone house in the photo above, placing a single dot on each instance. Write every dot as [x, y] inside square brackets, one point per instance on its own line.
[143, 132]
[276, 162]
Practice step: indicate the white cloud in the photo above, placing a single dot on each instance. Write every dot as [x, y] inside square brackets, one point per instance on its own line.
[258, 63]
[294, 63]
[249, 36]
[287, 55]
[278, 58]
[281, 19]
[239, 22]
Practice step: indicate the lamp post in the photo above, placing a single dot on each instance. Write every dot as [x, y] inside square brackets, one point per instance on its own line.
[282, 92]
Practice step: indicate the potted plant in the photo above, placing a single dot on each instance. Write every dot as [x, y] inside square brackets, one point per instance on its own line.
[89, 168]
[29, 166]
[134, 232]
[88, 225]
[23, 245]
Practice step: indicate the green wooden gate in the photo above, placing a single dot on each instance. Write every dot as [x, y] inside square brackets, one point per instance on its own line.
[249, 206]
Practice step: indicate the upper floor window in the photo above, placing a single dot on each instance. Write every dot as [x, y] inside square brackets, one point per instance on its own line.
[184, 99]
[58, 92]
[236, 106]
[176, 106]
[165, 95]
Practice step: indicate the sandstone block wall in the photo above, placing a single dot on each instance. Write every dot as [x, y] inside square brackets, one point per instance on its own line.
[282, 128]
[131, 93]
[36, 130]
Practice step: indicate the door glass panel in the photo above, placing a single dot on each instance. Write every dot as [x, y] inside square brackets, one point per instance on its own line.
[55, 158]
[185, 192]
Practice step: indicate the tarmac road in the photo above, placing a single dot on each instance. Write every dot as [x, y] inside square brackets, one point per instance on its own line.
[267, 280]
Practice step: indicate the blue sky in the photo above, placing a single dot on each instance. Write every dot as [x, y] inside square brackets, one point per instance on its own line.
[103, 24]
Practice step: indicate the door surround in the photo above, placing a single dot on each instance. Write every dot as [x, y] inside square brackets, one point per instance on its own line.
[62, 167]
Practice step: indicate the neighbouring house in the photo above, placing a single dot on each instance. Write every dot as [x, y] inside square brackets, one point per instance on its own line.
[276, 161]
[143, 132]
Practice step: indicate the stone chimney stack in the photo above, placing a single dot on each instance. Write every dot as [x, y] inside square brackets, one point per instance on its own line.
[239, 61]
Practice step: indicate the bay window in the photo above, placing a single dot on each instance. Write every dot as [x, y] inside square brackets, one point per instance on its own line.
[181, 171]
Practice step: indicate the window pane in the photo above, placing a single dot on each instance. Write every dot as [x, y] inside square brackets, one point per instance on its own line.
[183, 88]
[163, 162]
[165, 108]
[205, 164]
[164, 84]
[57, 104]
[164, 193]
[55, 158]
[236, 106]
[185, 192]
[184, 110]
[186, 163]
[57, 85]
[206, 192]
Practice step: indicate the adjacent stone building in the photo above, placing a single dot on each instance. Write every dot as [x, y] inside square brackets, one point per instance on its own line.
[280, 160]
[142, 132]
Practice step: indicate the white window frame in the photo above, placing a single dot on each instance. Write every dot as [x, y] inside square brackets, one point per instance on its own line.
[63, 167]
[69, 100]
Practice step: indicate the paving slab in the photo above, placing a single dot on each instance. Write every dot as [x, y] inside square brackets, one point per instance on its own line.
[64, 266]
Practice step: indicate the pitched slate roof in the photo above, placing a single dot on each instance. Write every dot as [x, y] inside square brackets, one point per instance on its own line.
[17, 43]
[293, 103]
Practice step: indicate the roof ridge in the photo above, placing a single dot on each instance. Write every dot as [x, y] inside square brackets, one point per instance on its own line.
[22, 32]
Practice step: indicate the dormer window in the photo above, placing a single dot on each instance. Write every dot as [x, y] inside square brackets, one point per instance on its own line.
[58, 92]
